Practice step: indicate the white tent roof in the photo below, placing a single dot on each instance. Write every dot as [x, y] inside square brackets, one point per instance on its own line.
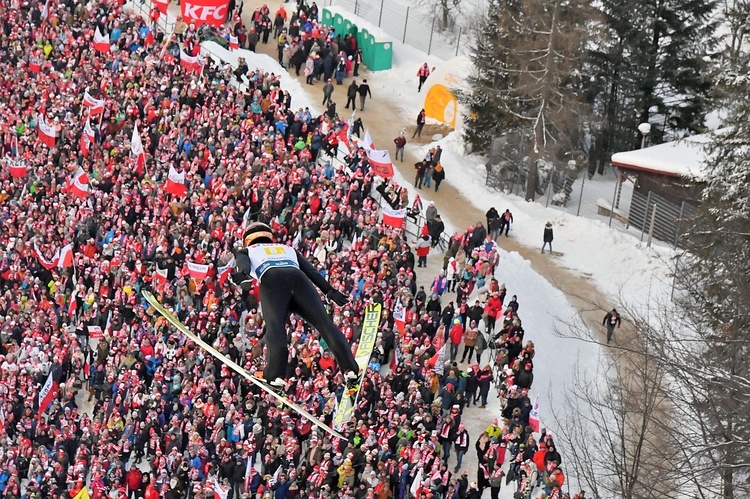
[681, 158]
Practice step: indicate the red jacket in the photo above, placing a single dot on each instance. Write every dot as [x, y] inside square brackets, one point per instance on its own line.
[457, 332]
[134, 478]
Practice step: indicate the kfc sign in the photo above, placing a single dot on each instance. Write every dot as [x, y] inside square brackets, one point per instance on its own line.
[200, 12]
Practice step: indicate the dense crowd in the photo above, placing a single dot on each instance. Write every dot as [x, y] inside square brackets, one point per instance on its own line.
[142, 412]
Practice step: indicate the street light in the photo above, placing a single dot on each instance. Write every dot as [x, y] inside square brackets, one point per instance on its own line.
[645, 129]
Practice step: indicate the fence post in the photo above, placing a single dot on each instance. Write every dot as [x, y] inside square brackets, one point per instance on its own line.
[677, 226]
[432, 30]
[380, 17]
[645, 215]
[458, 41]
[356, 4]
[580, 198]
[612, 206]
[651, 226]
[406, 23]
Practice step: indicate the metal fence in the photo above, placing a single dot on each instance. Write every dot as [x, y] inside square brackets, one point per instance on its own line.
[409, 24]
[669, 220]
[144, 9]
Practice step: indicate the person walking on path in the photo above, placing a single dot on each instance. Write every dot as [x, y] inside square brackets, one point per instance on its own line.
[611, 320]
[548, 236]
[421, 167]
[423, 73]
[400, 142]
[421, 118]
[364, 91]
[505, 220]
[351, 96]
[438, 175]
[327, 92]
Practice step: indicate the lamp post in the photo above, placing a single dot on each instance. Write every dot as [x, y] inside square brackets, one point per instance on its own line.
[645, 129]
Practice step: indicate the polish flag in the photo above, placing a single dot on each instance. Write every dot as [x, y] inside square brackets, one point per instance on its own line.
[45, 10]
[136, 150]
[46, 132]
[108, 324]
[101, 42]
[95, 332]
[47, 394]
[399, 317]
[534, 415]
[16, 167]
[191, 62]
[96, 106]
[73, 305]
[234, 44]
[394, 218]
[368, 144]
[35, 64]
[79, 184]
[224, 271]
[66, 256]
[437, 361]
[394, 360]
[87, 365]
[380, 162]
[160, 275]
[87, 138]
[161, 5]
[176, 183]
[197, 271]
[47, 264]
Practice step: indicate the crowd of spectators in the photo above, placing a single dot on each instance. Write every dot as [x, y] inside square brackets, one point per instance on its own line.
[141, 411]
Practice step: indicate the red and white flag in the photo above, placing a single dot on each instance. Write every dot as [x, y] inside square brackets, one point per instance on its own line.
[66, 256]
[47, 394]
[87, 138]
[176, 183]
[45, 10]
[394, 218]
[16, 167]
[399, 316]
[46, 132]
[224, 271]
[35, 63]
[108, 324]
[137, 151]
[380, 162]
[534, 415]
[79, 184]
[101, 42]
[96, 106]
[160, 275]
[234, 44]
[72, 304]
[368, 144]
[437, 361]
[192, 63]
[47, 264]
[197, 271]
[87, 365]
[161, 5]
[95, 332]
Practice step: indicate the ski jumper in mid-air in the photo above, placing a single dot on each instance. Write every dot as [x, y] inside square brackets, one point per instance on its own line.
[286, 285]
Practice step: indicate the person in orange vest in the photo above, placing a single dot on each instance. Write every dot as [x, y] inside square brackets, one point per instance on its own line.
[423, 73]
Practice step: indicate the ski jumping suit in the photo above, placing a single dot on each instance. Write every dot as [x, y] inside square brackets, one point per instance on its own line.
[286, 285]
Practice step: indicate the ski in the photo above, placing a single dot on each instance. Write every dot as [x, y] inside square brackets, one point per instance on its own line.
[367, 339]
[151, 299]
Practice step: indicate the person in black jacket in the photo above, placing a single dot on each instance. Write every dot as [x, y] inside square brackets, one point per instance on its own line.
[421, 118]
[364, 91]
[351, 94]
[611, 320]
[548, 236]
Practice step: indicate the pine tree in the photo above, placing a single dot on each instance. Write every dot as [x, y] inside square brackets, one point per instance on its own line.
[528, 57]
[650, 64]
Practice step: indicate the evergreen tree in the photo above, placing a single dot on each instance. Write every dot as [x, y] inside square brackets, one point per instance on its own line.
[528, 59]
[649, 65]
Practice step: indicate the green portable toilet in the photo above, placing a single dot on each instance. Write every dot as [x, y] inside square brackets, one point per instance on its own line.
[327, 18]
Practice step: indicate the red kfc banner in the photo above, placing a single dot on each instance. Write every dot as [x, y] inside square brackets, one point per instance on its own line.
[199, 12]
